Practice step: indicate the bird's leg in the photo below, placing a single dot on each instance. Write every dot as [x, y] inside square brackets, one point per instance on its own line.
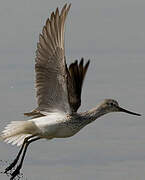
[17, 170]
[18, 156]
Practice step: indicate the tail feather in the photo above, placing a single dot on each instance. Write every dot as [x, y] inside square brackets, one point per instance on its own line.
[18, 138]
[19, 141]
[17, 131]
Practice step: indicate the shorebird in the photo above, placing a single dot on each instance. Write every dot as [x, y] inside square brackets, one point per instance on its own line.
[58, 93]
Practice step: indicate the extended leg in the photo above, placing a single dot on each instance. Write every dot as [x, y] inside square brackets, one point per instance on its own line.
[17, 171]
[18, 156]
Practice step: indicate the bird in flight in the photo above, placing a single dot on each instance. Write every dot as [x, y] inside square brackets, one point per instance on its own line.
[58, 93]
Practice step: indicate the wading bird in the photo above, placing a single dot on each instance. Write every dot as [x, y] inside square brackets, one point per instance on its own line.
[58, 92]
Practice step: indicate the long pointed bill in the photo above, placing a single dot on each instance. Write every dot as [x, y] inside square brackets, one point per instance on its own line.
[129, 112]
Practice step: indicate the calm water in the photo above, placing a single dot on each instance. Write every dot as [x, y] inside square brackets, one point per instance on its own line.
[112, 34]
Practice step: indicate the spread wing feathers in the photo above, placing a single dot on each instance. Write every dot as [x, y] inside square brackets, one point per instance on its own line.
[76, 74]
[51, 87]
[75, 77]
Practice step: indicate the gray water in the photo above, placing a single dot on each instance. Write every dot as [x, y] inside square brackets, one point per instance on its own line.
[112, 34]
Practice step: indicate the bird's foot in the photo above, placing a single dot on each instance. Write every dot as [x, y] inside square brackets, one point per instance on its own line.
[10, 166]
[16, 172]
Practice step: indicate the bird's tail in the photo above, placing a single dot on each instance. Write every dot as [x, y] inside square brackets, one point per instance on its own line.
[17, 131]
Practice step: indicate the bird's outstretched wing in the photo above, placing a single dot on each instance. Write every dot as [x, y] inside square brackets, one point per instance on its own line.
[57, 86]
[75, 77]
[50, 67]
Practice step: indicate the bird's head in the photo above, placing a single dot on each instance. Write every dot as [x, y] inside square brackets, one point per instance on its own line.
[111, 105]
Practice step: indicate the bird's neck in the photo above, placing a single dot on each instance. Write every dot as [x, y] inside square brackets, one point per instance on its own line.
[93, 114]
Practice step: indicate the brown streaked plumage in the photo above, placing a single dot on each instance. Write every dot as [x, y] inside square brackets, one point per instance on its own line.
[58, 92]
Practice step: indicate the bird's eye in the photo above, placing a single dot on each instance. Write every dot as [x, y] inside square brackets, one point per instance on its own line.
[112, 104]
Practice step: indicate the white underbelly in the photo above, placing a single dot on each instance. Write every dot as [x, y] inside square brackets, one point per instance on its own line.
[53, 128]
[57, 131]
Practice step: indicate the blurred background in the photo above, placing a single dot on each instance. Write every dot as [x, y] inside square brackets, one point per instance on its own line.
[111, 33]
